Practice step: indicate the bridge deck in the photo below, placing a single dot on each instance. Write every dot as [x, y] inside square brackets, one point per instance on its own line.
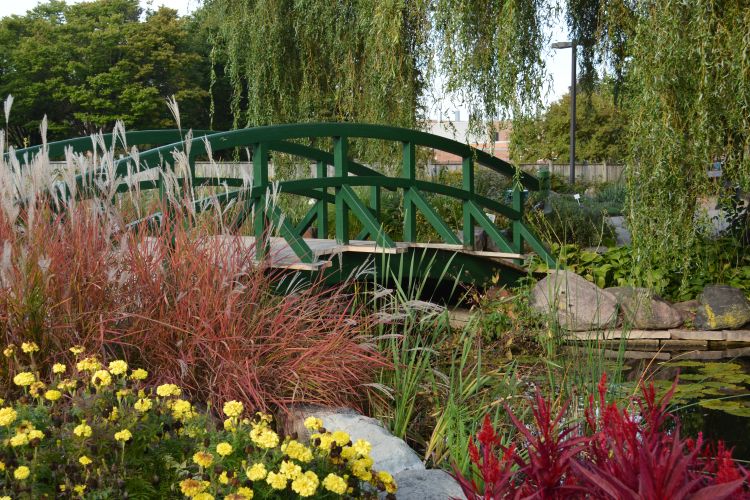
[283, 257]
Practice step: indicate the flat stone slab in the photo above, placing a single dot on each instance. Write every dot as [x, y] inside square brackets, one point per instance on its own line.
[389, 453]
[713, 335]
[620, 334]
[737, 335]
[432, 484]
[672, 334]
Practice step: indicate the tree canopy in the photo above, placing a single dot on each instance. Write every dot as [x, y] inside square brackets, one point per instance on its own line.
[87, 65]
[600, 130]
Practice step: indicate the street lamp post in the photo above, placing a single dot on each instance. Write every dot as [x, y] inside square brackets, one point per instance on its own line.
[571, 45]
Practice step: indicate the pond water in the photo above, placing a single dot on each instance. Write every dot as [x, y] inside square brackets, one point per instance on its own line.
[712, 397]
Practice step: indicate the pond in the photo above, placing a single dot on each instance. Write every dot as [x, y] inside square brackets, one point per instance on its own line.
[712, 397]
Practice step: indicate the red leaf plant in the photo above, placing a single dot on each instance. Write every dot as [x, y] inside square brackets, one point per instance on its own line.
[626, 453]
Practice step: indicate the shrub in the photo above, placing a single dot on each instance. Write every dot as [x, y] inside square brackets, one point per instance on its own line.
[193, 309]
[635, 452]
[101, 432]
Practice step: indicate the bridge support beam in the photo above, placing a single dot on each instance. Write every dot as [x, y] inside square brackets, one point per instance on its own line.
[341, 170]
[467, 182]
[410, 210]
[260, 180]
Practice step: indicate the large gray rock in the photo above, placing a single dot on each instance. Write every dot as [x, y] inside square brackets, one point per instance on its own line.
[389, 453]
[687, 310]
[722, 308]
[575, 303]
[644, 310]
[432, 484]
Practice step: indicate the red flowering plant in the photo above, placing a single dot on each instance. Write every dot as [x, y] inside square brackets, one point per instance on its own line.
[620, 453]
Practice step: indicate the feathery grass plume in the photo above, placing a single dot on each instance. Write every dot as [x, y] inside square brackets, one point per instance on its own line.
[7, 105]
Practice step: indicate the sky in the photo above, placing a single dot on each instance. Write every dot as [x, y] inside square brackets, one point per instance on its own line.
[558, 61]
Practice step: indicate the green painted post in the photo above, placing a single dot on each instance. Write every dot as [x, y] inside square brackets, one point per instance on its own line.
[342, 171]
[321, 170]
[375, 201]
[467, 173]
[260, 179]
[410, 211]
[517, 204]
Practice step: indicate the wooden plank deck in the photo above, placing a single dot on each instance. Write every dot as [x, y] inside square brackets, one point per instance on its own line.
[324, 250]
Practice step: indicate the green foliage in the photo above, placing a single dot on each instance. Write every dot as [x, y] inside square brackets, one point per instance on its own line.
[87, 65]
[570, 222]
[600, 130]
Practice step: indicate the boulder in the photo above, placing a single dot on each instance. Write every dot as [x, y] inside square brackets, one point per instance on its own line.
[687, 309]
[432, 484]
[722, 308]
[480, 238]
[577, 304]
[644, 310]
[389, 453]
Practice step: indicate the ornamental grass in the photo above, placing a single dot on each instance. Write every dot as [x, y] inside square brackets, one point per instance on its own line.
[185, 300]
[79, 433]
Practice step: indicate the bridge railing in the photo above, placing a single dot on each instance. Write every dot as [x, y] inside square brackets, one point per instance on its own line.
[261, 141]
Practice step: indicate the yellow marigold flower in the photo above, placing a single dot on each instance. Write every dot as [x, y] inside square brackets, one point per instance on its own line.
[82, 430]
[59, 368]
[277, 481]
[191, 487]
[245, 493]
[230, 425]
[84, 460]
[7, 416]
[324, 441]
[21, 473]
[29, 347]
[313, 423]
[139, 374]
[224, 449]
[118, 367]
[203, 458]
[143, 405]
[335, 484]
[123, 435]
[9, 350]
[19, 439]
[298, 451]
[67, 384]
[305, 484]
[203, 496]
[341, 438]
[182, 410]
[79, 489]
[362, 447]
[52, 395]
[101, 378]
[35, 434]
[166, 390]
[289, 469]
[90, 364]
[121, 393]
[233, 408]
[224, 478]
[388, 482]
[361, 469]
[77, 349]
[5, 497]
[348, 453]
[264, 437]
[36, 387]
[256, 472]
[114, 414]
[24, 378]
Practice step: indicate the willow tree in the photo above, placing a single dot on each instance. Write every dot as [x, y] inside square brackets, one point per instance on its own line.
[685, 72]
[373, 60]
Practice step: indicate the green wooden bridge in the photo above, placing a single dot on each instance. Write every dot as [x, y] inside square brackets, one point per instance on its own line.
[336, 252]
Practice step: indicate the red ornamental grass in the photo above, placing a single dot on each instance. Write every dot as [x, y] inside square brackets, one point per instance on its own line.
[193, 310]
[625, 455]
